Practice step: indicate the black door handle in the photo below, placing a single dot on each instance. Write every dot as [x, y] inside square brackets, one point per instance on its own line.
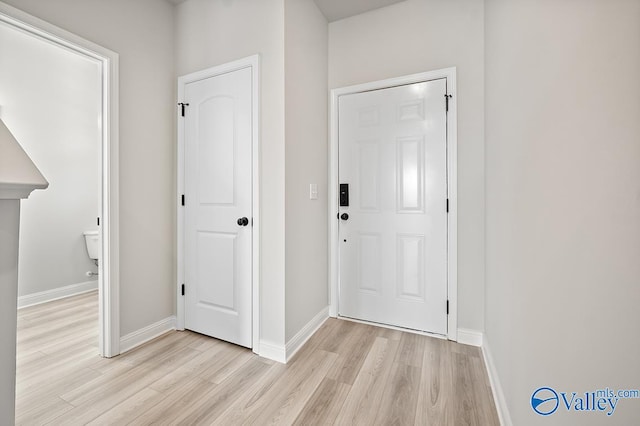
[344, 216]
[243, 221]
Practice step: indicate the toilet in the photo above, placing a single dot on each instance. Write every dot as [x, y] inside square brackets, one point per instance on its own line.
[92, 239]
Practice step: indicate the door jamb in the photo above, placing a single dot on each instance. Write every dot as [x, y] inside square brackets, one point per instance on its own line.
[452, 174]
[252, 62]
[109, 268]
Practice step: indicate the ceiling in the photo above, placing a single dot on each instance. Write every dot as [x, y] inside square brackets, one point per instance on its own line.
[334, 10]
[340, 9]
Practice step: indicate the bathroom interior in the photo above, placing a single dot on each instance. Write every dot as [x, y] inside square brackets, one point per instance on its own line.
[51, 100]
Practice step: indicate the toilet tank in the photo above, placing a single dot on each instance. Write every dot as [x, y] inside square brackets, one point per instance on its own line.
[92, 238]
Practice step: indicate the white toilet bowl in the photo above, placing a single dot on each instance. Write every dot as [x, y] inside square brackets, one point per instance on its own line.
[92, 239]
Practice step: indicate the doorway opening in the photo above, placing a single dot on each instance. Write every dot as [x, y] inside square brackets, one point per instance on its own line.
[106, 63]
[393, 143]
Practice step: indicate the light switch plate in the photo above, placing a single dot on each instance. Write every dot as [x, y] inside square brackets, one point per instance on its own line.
[313, 191]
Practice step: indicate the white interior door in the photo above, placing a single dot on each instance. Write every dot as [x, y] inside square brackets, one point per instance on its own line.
[393, 244]
[218, 197]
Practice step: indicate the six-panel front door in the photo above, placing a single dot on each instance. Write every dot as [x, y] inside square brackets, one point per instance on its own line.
[218, 191]
[393, 233]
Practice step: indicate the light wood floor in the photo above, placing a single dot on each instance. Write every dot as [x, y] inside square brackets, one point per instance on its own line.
[348, 373]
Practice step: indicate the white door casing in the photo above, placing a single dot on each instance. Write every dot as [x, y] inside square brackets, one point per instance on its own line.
[393, 260]
[217, 225]
[108, 279]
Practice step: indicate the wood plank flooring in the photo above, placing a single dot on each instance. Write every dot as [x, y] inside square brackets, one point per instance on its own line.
[348, 373]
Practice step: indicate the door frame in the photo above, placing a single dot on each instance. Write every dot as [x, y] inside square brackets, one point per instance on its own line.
[252, 62]
[452, 160]
[109, 268]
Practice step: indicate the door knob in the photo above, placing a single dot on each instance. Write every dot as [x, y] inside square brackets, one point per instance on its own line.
[243, 221]
[344, 216]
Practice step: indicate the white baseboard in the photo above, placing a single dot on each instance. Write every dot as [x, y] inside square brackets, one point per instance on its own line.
[305, 333]
[470, 337]
[496, 387]
[56, 293]
[273, 351]
[147, 333]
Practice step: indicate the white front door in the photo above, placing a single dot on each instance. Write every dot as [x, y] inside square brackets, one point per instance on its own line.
[393, 233]
[218, 197]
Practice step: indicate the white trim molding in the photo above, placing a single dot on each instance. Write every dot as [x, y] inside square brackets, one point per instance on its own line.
[56, 294]
[252, 62]
[496, 387]
[109, 269]
[452, 186]
[470, 337]
[273, 351]
[145, 334]
[305, 333]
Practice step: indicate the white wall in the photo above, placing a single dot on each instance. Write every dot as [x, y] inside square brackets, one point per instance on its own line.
[306, 94]
[213, 32]
[141, 32]
[422, 35]
[60, 92]
[563, 201]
